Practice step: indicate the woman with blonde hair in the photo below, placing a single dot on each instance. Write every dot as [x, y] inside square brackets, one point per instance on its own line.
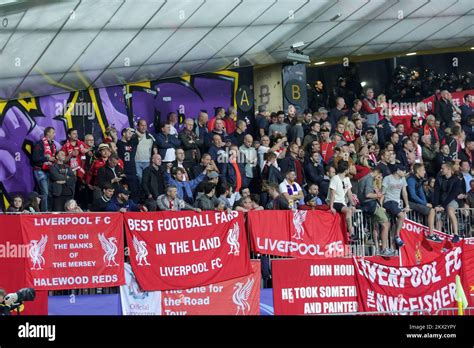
[349, 134]
[71, 207]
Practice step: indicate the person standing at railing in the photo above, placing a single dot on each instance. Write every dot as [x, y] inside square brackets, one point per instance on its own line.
[417, 198]
[339, 189]
[393, 186]
[370, 204]
[448, 188]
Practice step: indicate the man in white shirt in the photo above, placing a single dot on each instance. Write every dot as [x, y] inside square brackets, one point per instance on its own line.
[339, 189]
[291, 190]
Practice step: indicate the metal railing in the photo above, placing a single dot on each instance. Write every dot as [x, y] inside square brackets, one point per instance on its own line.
[402, 312]
[454, 311]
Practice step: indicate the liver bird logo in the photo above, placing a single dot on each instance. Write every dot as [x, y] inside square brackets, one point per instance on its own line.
[241, 295]
[233, 239]
[110, 249]
[141, 251]
[36, 252]
[299, 216]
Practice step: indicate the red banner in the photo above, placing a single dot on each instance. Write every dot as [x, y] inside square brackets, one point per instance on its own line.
[468, 269]
[314, 286]
[181, 250]
[240, 296]
[423, 288]
[14, 256]
[71, 251]
[302, 233]
[419, 250]
[458, 99]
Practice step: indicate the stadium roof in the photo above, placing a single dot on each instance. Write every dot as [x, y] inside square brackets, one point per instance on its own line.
[53, 46]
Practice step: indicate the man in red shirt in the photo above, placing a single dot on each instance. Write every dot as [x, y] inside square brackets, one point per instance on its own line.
[327, 145]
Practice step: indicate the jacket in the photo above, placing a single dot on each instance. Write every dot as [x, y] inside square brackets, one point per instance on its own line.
[416, 194]
[115, 205]
[204, 202]
[447, 190]
[184, 186]
[166, 142]
[163, 203]
[228, 174]
[190, 143]
[62, 172]
[106, 174]
[153, 181]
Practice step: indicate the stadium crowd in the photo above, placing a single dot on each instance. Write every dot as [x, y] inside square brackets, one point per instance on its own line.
[352, 156]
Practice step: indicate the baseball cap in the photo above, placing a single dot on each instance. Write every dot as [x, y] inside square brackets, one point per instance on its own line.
[102, 146]
[212, 175]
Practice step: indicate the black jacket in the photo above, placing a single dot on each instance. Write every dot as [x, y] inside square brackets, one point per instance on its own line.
[447, 190]
[105, 175]
[191, 144]
[444, 112]
[62, 172]
[100, 204]
[314, 174]
[228, 174]
[153, 181]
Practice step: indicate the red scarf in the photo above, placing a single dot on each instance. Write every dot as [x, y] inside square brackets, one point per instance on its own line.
[76, 163]
[427, 131]
[238, 177]
[48, 150]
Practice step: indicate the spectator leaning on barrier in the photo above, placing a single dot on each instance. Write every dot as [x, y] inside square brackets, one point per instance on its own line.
[71, 207]
[33, 204]
[171, 201]
[291, 190]
[417, 198]
[208, 200]
[393, 185]
[100, 203]
[17, 204]
[43, 157]
[121, 202]
[276, 201]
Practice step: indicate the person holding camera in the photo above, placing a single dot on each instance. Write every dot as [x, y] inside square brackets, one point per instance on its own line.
[14, 301]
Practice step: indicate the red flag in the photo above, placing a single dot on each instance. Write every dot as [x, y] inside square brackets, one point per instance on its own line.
[71, 251]
[418, 249]
[239, 296]
[424, 288]
[180, 250]
[14, 255]
[302, 233]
